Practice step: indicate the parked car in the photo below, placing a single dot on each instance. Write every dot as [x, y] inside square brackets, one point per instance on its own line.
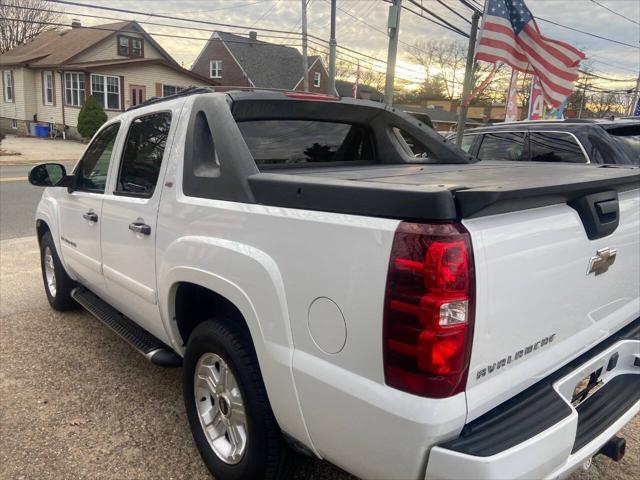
[573, 141]
[328, 292]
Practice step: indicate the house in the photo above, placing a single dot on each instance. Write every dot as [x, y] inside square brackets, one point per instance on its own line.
[240, 61]
[49, 78]
[364, 92]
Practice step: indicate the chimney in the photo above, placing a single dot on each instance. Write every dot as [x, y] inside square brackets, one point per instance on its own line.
[75, 23]
[253, 36]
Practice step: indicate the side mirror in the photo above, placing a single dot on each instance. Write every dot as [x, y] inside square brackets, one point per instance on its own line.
[48, 175]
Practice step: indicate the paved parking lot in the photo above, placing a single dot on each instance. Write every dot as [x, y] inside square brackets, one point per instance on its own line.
[77, 402]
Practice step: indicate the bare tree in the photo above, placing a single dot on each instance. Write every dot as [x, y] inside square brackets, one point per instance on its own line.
[22, 20]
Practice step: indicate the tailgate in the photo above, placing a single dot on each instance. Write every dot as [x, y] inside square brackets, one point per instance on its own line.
[536, 306]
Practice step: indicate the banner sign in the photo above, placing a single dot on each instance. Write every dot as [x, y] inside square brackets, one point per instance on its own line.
[536, 100]
[512, 99]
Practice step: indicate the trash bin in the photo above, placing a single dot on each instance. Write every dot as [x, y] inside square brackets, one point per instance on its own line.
[42, 130]
[32, 129]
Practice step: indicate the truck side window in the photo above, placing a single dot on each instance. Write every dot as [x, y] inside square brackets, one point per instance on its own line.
[142, 155]
[95, 162]
[555, 147]
[467, 142]
[414, 147]
[502, 146]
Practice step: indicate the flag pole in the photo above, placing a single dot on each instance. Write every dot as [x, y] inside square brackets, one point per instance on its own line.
[468, 78]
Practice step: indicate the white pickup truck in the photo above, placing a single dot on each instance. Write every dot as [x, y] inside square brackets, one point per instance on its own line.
[328, 290]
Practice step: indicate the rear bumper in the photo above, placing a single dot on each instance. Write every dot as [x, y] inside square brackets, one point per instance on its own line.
[539, 434]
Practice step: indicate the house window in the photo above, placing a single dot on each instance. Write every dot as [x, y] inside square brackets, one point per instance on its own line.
[7, 77]
[215, 68]
[130, 46]
[74, 89]
[47, 86]
[106, 90]
[316, 79]
[170, 90]
[14, 123]
[123, 46]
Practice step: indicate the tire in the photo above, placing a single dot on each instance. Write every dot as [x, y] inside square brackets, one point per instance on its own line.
[58, 286]
[215, 347]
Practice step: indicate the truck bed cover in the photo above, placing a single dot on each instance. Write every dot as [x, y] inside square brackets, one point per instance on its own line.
[436, 192]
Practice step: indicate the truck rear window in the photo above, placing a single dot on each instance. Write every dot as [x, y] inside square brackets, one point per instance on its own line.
[295, 142]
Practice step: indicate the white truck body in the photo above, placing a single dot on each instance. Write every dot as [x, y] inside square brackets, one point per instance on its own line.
[310, 285]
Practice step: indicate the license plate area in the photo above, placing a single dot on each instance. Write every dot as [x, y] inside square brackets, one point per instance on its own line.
[586, 387]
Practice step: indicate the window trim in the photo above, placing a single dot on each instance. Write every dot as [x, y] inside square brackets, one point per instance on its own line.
[584, 152]
[84, 89]
[129, 53]
[317, 78]
[78, 188]
[105, 92]
[218, 70]
[44, 75]
[12, 86]
[124, 148]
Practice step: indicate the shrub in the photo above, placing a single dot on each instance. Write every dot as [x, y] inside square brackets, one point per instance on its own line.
[90, 118]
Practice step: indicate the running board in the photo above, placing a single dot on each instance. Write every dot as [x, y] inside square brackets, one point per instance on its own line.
[152, 348]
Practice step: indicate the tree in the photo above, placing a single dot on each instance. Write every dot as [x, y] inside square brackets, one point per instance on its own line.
[90, 118]
[22, 20]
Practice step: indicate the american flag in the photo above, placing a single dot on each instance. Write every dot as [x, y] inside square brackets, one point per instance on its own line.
[510, 34]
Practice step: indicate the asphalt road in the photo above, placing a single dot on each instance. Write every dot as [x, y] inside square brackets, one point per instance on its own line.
[77, 402]
[18, 201]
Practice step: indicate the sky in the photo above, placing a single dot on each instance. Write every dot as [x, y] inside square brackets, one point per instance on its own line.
[361, 26]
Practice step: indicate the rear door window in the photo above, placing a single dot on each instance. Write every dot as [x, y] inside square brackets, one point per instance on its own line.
[299, 142]
[555, 147]
[142, 155]
[502, 146]
[467, 142]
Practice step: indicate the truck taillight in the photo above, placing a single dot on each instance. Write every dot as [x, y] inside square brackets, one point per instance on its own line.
[429, 306]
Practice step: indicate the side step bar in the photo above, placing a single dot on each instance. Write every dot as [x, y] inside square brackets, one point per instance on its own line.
[148, 345]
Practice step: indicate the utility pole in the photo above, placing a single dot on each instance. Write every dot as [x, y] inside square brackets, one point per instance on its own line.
[584, 96]
[332, 51]
[305, 60]
[634, 101]
[393, 28]
[468, 78]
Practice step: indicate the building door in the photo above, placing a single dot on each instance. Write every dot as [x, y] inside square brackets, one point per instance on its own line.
[137, 94]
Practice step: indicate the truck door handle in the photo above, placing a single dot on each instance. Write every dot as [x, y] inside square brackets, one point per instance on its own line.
[91, 216]
[139, 227]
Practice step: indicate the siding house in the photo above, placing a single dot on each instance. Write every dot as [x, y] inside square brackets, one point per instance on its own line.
[239, 61]
[47, 79]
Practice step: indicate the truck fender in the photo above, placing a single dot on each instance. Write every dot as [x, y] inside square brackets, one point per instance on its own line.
[249, 279]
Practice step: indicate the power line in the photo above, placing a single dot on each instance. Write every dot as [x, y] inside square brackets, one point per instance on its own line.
[193, 20]
[615, 13]
[426, 10]
[143, 22]
[448, 7]
[266, 13]
[586, 33]
[167, 35]
[421, 15]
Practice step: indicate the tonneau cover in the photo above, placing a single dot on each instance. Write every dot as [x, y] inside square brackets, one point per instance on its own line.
[429, 192]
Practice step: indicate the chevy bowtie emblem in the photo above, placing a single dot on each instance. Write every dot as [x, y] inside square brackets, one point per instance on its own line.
[602, 260]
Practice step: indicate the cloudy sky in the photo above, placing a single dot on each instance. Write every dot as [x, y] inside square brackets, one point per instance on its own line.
[361, 26]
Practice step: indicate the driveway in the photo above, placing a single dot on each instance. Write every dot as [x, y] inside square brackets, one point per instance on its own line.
[78, 402]
[29, 150]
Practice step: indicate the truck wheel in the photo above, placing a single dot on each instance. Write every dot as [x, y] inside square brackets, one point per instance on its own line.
[57, 284]
[228, 409]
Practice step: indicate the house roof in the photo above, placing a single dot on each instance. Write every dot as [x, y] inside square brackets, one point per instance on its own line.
[57, 48]
[435, 114]
[268, 65]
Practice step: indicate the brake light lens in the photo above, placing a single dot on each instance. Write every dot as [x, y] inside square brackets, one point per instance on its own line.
[428, 315]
